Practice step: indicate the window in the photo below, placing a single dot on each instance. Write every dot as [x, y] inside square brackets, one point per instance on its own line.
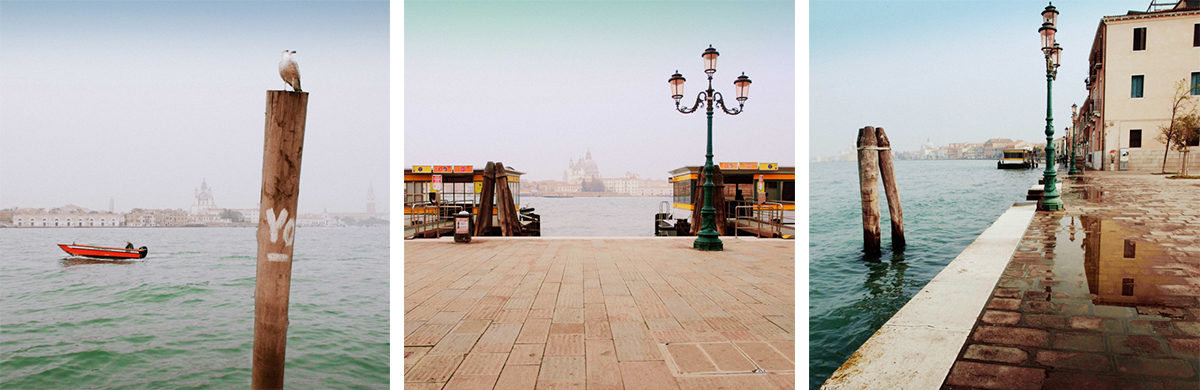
[1130, 249]
[683, 191]
[1135, 138]
[1196, 81]
[1196, 35]
[1127, 287]
[1136, 86]
[1139, 39]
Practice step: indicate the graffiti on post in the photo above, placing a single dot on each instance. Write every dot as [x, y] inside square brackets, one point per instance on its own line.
[280, 225]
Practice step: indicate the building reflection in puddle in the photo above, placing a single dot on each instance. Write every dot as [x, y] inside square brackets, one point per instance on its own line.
[1122, 269]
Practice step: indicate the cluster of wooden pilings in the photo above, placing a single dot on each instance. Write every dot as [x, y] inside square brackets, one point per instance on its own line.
[875, 160]
[495, 183]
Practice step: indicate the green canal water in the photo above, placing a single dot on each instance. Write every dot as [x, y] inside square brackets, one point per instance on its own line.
[183, 317]
[947, 204]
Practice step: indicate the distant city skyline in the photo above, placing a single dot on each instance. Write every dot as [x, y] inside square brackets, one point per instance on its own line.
[140, 101]
[947, 71]
[536, 84]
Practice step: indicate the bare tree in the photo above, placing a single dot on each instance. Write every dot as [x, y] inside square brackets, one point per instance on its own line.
[1181, 105]
[1186, 132]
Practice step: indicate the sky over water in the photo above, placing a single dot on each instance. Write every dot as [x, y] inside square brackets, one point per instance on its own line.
[140, 101]
[944, 71]
[537, 84]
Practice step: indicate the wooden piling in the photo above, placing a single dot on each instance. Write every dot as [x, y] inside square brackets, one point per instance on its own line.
[868, 179]
[506, 212]
[282, 150]
[483, 215]
[886, 171]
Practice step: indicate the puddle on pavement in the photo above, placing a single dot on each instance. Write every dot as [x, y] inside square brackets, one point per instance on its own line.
[1087, 192]
[1110, 263]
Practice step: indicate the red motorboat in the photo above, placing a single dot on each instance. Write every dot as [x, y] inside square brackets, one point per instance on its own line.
[103, 252]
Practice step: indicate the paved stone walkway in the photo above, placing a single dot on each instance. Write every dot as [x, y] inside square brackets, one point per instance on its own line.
[1105, 295]
[532, 313]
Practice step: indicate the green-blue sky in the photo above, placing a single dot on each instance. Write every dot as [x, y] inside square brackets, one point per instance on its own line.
[536, 84]
[946, 71]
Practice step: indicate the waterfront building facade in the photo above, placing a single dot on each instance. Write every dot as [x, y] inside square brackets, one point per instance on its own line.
[1135, 61]
[156, 218]
[582, 171]
[66, 216]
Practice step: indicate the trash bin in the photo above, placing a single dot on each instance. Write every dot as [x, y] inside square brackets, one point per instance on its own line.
[462, 227]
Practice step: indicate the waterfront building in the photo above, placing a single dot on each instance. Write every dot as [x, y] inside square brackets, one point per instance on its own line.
[65, 216]
[157, 217]
[1135, 61]
[204, 211]
[581, 171]
[370, 199]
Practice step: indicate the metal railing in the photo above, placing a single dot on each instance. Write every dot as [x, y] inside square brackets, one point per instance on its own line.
[764, 217]
[429, 215]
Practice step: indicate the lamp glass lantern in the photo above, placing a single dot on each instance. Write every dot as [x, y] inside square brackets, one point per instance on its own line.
[1055, 53]
[1047, 32]
[742, 85]
[1050, 15]
[710, 60]
[676, 83]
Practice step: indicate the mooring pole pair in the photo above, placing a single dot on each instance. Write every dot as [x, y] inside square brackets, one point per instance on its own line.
[282, 150]
[874, 157]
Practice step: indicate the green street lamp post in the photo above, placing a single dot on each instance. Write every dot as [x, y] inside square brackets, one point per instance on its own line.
[1051, 49]
[708, 239]
[1074, 139]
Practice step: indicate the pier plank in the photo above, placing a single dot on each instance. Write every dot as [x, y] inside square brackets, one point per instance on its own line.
[596, 313]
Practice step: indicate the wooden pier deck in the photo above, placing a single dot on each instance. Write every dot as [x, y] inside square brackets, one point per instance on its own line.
[598, 313]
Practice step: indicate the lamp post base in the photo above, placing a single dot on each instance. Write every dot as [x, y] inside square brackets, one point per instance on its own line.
[1051, 204]
[1074, 171]
[708, 243]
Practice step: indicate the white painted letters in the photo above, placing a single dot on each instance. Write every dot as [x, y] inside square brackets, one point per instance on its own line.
[276, 223]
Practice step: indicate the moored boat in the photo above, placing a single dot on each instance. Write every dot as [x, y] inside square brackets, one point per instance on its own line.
[103, 252]
[1023, 158]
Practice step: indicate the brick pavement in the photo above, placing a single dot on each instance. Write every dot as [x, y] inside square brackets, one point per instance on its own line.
[598, 314]
[1101, 296]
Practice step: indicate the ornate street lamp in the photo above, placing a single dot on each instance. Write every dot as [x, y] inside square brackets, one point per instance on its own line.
[1074, 139]
[707, 239]
[1051, 49]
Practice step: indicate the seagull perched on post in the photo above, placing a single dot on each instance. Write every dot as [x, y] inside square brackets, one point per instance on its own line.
[289, 71]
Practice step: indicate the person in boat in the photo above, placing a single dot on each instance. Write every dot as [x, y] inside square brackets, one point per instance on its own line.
[128, 245]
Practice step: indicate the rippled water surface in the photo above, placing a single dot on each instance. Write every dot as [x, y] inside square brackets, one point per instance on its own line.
[947, 204]
[183, 317]
[596, 217]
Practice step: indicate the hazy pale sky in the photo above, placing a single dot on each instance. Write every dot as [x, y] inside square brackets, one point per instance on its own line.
[946, 71]
[535, 84]
[140, 101]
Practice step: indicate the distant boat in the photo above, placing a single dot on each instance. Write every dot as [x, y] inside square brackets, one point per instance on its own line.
[103, 252]
[1022, 158]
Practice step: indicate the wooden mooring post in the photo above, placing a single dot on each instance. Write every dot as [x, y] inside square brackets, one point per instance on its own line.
[868, 176]
[483, 214]
[283, 148]
[887, 172]
[875, 161]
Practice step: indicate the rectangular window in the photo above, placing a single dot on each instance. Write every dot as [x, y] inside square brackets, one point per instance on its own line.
[1136, 86]
[1127, 287]
[1196, 81]
[1135, 138]
[1139, 38]
[1196, 35]
[1130, 249]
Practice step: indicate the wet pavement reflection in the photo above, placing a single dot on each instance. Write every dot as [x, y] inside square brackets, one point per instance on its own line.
[1093, 298]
